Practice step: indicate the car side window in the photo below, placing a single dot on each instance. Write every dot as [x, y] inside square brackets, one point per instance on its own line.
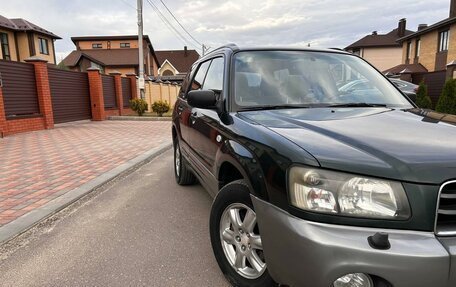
[214, 77]
[198, 80]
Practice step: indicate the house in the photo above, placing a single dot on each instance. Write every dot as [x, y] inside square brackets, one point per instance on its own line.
[176, 63]
[112, 53]
[381, 50]
[21, 39]
[432, 46]
[429, 54]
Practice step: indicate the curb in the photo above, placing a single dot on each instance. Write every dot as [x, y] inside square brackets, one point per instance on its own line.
[28, 220]
[134, 118]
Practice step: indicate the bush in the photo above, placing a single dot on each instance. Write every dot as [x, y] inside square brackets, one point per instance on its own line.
[139, 106]
[422, 98]
[447, 101]
[160, 107]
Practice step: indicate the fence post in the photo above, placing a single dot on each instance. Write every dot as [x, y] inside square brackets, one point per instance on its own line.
[134, 87]
[118, 84]
[2, 115]
[96, 94]
[451, 69]
[43, 90]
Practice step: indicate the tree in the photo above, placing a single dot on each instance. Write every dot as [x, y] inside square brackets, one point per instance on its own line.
[422, 98]
[447, 101]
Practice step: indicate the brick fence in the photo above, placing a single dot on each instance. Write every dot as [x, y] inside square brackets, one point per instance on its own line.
[45, 119]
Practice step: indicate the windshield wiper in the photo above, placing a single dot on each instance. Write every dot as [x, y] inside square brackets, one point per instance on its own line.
[357, 105]
[274, 107]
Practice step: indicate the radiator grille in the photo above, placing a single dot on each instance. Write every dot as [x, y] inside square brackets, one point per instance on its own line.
[446, 211]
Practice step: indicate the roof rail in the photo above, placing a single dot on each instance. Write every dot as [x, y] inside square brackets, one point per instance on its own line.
[231, 46]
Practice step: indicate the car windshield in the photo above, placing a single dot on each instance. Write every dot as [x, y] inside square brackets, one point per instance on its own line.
[309, 79]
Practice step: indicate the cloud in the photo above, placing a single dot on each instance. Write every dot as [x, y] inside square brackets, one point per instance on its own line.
[323, 23]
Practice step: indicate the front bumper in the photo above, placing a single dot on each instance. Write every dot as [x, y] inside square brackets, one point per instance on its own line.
[304, 253]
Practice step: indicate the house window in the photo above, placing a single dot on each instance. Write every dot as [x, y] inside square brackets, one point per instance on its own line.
[409, 50]
[124, 45]
[444, 37]
[44, 48]
[97, 46]
[5, 46]
[357, 52]
[418, 48]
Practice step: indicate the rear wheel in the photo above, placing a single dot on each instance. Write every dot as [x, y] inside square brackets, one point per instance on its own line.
[181, 171]
[236, 239]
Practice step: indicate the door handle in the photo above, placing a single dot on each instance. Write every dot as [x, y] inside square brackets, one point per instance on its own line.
[193, 117]
[180, 109]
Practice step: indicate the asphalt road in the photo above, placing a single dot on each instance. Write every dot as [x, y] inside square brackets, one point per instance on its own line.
[141, 230]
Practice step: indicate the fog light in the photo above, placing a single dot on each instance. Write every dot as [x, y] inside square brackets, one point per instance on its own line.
[354, 280]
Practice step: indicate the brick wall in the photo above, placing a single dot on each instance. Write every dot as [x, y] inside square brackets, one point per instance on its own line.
[45, 120]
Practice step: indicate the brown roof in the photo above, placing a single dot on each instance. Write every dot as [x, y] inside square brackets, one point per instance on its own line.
[380, 40]
[438, 25]
[406, 68]
[116, 37]
[20, 24]
[180, 59]
[112, 57]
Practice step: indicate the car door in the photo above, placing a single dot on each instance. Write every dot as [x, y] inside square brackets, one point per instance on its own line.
[205, 122]
[184, 109]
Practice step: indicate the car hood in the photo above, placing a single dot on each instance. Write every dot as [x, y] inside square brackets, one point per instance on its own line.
[413, 145]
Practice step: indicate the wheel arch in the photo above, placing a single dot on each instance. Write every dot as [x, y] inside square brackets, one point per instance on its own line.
[234, 162]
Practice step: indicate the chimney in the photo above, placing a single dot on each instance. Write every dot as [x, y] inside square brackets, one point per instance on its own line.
[422, 27]
[374, 33]
[452, 8]
[401, 27]
[185, 51]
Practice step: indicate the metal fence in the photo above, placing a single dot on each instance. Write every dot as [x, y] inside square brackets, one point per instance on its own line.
[126, 92]
[19, 89]
[109, 91]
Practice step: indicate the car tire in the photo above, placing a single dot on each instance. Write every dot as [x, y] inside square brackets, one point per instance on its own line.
[240, 239]
[182, 173]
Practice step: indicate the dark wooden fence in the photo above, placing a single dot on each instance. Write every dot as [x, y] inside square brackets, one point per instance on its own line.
[19, 89]
[434, 81]
[126, 92]
[70, 95]
[109, 91]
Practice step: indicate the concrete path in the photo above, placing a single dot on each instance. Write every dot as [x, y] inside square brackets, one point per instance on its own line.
[141, 230]
[41, 171]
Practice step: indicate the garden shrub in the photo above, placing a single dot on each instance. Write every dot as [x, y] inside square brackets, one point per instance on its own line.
[447, 101]
[139, 106]
[422, 98]
[160, 107]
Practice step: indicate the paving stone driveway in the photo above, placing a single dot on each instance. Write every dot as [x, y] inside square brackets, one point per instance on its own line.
[37, 167]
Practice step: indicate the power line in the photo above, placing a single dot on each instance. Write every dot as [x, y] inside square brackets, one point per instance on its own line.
[168, 24]
[128, 4]
[199, 43]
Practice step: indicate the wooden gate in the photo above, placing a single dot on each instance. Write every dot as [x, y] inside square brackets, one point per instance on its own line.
[70, 95]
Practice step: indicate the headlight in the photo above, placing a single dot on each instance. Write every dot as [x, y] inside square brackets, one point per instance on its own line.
[345, 194]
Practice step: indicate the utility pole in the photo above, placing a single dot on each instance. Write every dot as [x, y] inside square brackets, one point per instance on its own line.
[204, 48]
[140, 48]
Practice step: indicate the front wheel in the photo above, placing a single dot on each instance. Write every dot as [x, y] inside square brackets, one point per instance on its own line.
[236, 239]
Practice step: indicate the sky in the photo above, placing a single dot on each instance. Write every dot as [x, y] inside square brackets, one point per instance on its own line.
[320, 23]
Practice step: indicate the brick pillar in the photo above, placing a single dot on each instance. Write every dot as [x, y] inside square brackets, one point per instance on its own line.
[43, 90]
[134, 87]
[96, 94]
[2, 115]
[118, 84]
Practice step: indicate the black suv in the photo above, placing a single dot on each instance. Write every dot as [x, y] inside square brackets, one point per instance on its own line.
[317, 181]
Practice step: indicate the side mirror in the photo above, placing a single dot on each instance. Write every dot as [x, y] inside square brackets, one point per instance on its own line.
[203, 99]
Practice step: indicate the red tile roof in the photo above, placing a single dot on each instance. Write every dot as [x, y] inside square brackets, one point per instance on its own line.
[180, 59]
